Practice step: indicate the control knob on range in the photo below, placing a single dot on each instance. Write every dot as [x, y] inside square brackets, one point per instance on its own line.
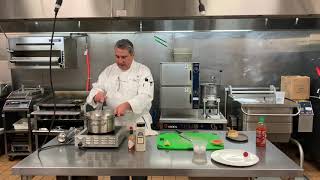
[81, 141]
[80, 144]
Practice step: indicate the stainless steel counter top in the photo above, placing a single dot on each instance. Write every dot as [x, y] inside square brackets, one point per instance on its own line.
[71, 161]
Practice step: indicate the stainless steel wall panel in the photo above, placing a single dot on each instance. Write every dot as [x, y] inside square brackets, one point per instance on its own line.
[253, 58]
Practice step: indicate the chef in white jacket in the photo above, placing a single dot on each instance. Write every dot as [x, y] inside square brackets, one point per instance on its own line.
[125, 86]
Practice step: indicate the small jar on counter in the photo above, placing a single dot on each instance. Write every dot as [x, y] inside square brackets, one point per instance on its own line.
[140, 137]
[131, 140]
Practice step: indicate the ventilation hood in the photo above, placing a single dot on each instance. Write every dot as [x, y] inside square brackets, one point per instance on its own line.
[157, 9]
[159, 15]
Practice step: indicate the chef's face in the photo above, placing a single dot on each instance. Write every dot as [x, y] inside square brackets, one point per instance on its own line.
[123, 58]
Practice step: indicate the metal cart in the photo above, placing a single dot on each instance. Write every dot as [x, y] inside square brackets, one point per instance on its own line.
[18, 106]
[20, 141]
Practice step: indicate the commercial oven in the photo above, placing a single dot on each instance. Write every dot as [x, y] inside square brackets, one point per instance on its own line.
[179, 85]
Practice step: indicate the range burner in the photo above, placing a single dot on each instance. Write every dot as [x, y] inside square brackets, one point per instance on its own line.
[86, 140]
[68, 107]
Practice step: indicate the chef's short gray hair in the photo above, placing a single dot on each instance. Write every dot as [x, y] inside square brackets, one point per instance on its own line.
[125, 44]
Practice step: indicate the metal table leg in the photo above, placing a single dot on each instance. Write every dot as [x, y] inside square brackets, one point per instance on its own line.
[294, 141]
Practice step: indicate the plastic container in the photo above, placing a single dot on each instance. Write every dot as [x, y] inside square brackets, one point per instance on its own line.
[261, 133]
[280, 97]
[199, 151]
[182, 55]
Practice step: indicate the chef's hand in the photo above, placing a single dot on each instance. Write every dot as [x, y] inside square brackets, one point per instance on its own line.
[100, 97]
[122, 108]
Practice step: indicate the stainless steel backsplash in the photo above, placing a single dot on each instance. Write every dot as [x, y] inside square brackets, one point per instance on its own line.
[238, 58]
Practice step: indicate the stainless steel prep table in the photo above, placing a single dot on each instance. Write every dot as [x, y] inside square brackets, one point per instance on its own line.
[71, 161]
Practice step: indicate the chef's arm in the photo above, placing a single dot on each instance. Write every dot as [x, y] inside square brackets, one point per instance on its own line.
[145, 93]
[96, 87]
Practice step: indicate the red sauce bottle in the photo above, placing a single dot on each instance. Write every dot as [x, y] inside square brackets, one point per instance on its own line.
[261, 133]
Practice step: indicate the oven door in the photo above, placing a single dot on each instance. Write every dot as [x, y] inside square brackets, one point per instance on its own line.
[176, 97]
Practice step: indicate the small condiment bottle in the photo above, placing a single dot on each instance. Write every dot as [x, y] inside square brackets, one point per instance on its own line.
[131, 140]
[140, 137]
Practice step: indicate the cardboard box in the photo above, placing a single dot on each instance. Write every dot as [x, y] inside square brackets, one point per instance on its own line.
[296, 87]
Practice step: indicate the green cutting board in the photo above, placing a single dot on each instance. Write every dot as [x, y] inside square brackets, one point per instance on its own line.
[177, 142]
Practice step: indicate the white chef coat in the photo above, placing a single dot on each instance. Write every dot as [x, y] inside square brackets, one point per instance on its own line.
[134, 86]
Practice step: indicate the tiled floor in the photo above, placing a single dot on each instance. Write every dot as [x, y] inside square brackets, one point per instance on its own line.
[311, 170]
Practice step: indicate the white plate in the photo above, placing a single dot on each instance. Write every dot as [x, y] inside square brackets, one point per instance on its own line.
[234, 157]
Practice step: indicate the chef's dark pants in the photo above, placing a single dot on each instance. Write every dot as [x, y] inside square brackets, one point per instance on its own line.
[127, 178]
